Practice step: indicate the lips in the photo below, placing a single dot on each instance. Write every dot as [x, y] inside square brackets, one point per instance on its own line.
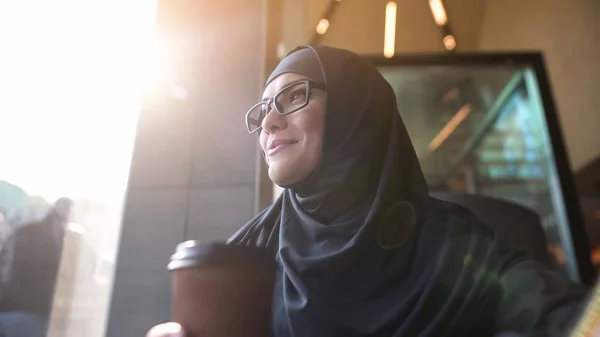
[274, 146]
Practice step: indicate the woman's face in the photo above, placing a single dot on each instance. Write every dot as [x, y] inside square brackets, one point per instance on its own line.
[293, 143]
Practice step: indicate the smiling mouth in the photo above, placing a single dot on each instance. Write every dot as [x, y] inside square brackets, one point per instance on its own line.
[278, 148]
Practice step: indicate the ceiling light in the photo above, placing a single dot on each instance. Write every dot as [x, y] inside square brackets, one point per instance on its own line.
[389, 39]
[439, 12]
[322, 26]
[449, 42]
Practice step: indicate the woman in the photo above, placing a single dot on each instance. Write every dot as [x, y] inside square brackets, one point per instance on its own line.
[363, 249]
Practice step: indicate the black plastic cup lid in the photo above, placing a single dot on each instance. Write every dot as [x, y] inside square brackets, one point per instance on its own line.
[194, 254]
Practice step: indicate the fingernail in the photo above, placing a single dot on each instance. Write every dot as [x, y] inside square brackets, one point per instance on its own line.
[173, 329]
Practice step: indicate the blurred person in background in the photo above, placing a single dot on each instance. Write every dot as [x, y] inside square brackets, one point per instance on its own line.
[26, 296]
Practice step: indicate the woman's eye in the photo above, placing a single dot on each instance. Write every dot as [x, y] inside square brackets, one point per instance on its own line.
[297, 94]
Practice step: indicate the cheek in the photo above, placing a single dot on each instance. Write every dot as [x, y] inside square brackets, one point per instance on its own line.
[314, 136]
[315, 147]
[262, 140]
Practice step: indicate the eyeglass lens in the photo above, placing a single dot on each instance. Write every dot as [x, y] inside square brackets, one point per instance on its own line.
[287, 101]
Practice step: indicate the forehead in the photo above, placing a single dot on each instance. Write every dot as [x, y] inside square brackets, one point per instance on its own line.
[281, 82]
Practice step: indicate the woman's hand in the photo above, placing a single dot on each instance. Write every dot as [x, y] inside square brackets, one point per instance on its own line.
[166, 330]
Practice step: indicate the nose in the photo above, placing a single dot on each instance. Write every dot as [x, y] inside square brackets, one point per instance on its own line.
[273, 121]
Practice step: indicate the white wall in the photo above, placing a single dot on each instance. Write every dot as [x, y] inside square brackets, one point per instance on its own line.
[568, 33]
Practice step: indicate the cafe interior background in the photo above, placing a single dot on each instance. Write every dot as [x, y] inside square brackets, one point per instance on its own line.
[116, 105]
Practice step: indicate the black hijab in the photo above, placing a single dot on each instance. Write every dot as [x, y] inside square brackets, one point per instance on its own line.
[362, 248]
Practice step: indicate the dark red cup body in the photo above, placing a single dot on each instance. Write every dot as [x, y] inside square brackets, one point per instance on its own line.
[221, 290]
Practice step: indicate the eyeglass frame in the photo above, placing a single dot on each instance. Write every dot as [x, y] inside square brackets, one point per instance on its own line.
[271, 101]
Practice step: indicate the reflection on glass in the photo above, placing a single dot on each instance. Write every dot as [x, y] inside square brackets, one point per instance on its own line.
[483, 131]
[57, 255]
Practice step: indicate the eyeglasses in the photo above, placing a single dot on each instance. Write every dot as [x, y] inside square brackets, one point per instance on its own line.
[288, 100]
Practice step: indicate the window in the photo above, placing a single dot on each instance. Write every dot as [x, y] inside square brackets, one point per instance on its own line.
[68, 113]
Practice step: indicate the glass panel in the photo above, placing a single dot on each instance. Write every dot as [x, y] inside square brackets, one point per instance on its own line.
[58, 254]
[68, 113]
[483, 131]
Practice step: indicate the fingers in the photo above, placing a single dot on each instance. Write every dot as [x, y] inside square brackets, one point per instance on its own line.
[166, 330]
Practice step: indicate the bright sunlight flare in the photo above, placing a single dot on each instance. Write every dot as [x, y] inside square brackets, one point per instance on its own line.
[72, 75]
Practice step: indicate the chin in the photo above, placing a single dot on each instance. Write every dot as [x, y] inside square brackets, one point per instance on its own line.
[281, 181]
[282, 177]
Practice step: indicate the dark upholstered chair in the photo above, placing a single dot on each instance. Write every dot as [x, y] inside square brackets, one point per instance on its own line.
[516, 226]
